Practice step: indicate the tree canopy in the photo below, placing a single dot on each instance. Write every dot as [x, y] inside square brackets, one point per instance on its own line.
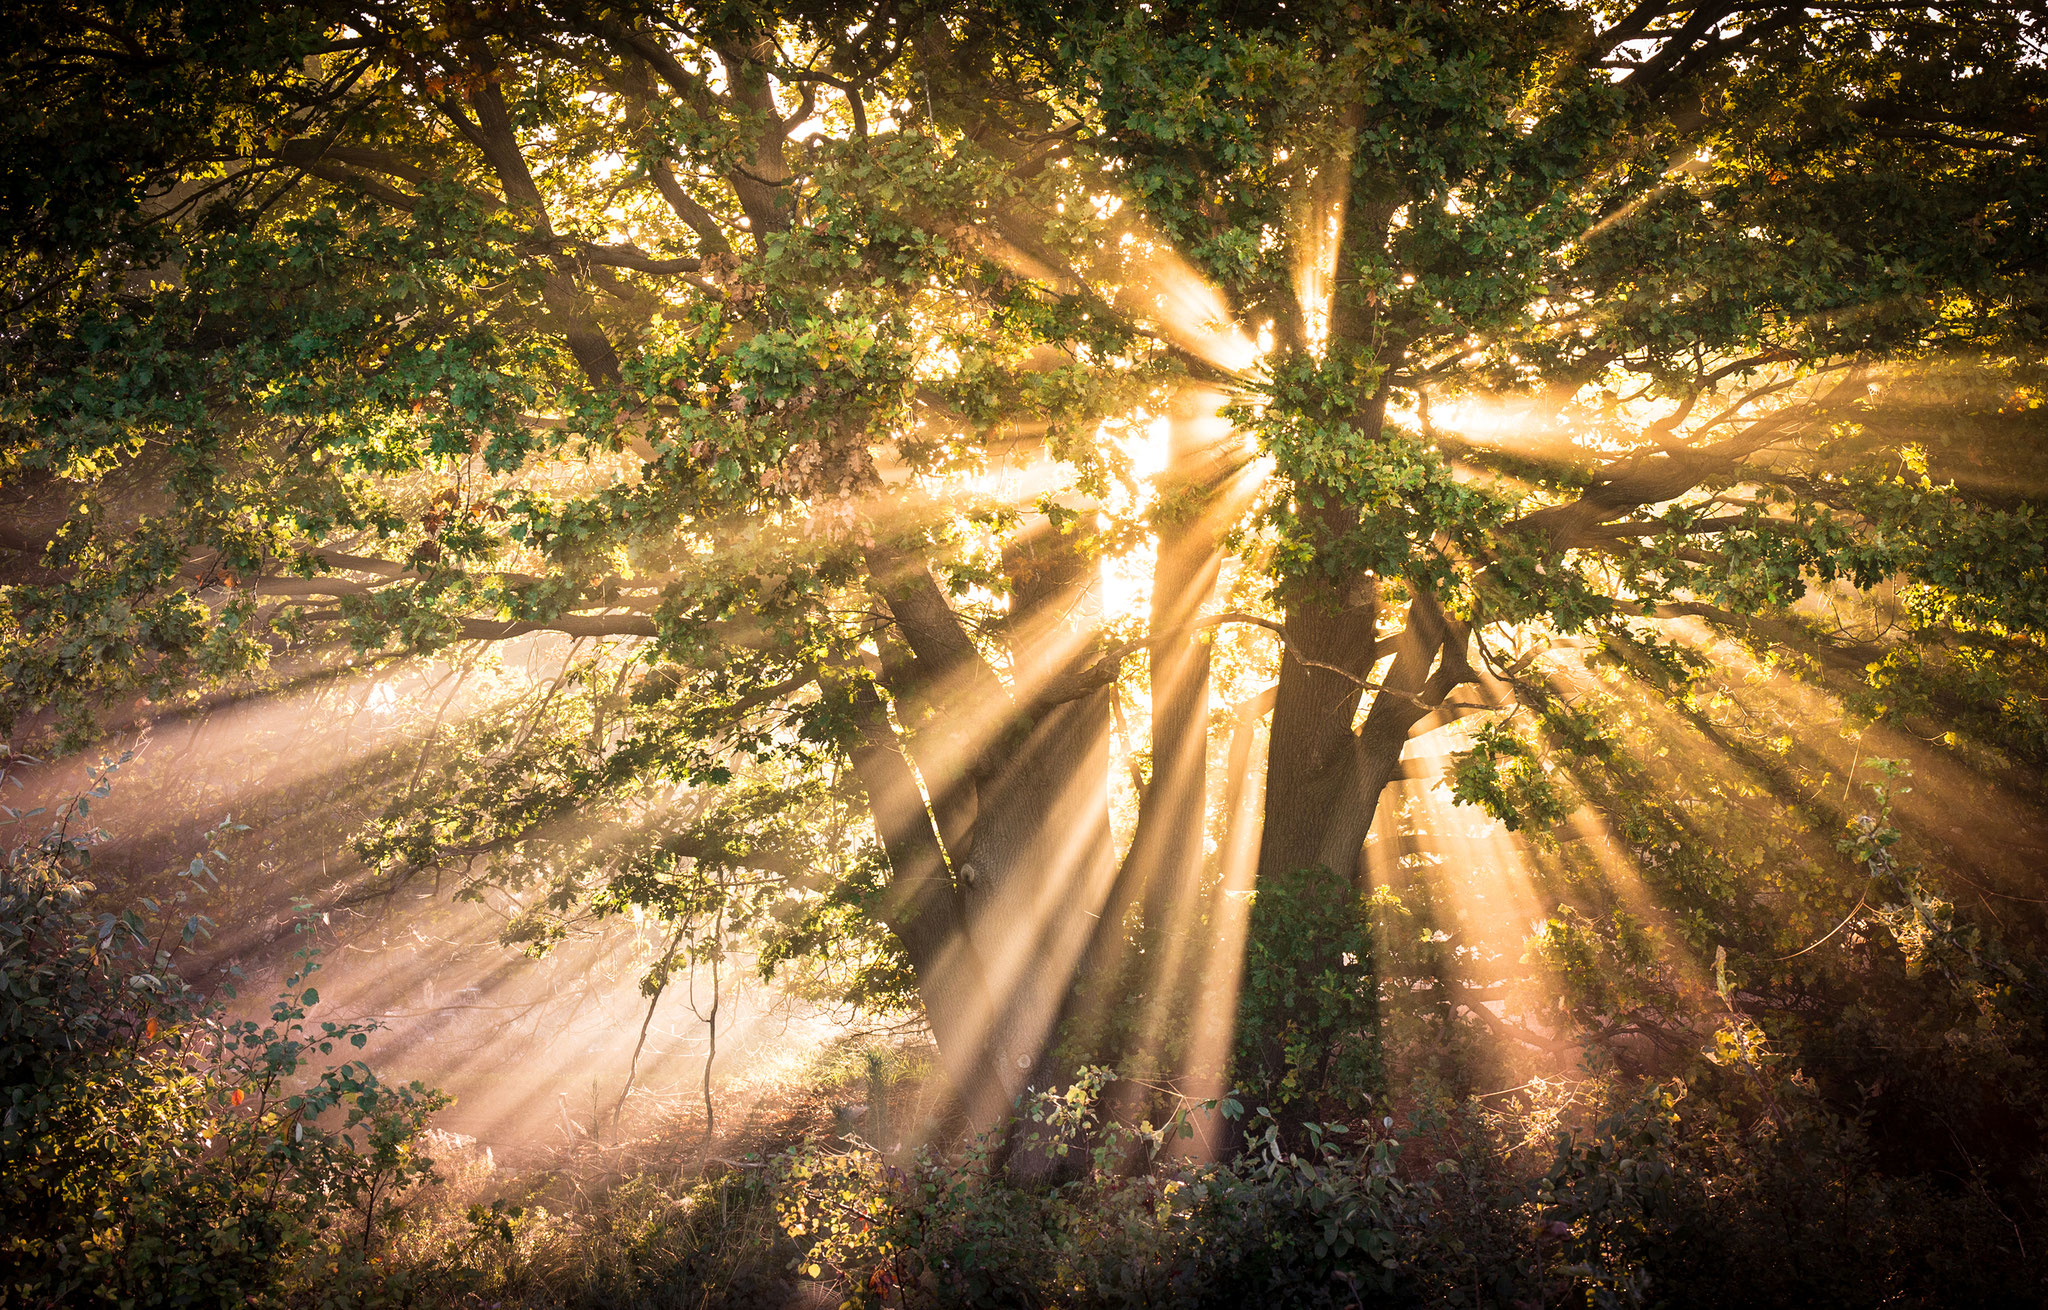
[1029, 481]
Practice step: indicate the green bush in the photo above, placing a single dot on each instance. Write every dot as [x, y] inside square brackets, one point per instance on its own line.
[1343, 1222]
[155, 1151]
[1308, 1016]
[1659, 1202]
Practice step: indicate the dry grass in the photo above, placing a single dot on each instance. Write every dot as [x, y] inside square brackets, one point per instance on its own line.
[661, 1218]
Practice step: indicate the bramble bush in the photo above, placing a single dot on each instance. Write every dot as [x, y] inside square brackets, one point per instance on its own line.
[1659, 1200]
[1344, 1222]
[155, 1150]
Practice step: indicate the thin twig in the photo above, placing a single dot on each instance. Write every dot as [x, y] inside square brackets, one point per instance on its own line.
[633, 1069]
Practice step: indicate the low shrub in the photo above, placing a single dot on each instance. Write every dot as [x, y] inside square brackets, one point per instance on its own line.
[655, 1239]
[1340, 1223]
[1657, 1202]
[155, 1150]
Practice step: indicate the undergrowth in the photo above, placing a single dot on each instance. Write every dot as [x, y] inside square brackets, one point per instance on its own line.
[156, 1151]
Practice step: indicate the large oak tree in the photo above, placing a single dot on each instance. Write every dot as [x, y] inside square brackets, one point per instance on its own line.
[840, 359]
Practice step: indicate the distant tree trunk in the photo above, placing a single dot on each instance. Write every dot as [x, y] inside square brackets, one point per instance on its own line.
[1041, 861]
[1162, 870]
[993, 808]
[1042, 857]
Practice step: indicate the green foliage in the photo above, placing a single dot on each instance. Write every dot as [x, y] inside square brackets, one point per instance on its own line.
[155, 1150]
[1656, 1200]
[1353, 1217]
[1314, 1228]
[1696, 355]
[598, 798]
[1308, 1012]
[1505, 776]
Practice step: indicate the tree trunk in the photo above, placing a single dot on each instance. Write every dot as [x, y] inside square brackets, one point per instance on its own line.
[1161, 873]
[1331, 646]
[922, 908]
[1316, 989]
[1041, 864]
[1041, 860]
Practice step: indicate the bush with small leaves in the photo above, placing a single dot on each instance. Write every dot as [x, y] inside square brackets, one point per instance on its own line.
[154, 1150]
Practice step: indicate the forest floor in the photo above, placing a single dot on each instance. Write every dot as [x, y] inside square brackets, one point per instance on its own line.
[659, 1214]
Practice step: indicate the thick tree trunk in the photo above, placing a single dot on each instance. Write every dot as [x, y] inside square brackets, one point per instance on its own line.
[1004, 806]
[1331, 647]
[923, 908]
[1318, 986]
